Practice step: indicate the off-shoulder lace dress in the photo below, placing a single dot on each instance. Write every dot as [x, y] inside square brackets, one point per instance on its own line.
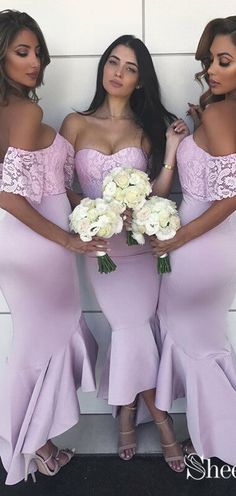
[52, 352]
[197, 360]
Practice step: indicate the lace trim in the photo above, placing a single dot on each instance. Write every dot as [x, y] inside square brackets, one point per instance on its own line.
[209, 178]
[69, 167]
[22, 173]
[222, 177]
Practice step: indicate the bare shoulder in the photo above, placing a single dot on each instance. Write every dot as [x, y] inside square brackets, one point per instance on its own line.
[72, 125]
[219, 125]
[24, 129]
[225, 108]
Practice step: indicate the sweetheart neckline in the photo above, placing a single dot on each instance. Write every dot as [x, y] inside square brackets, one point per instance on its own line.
[111, 154]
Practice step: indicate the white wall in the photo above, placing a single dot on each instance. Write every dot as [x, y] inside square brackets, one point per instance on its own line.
[77, 32]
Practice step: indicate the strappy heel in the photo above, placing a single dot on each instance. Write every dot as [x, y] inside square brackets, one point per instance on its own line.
[42, 466]
[127, 438]
[68, 452]
[187, 447]
[170, 459]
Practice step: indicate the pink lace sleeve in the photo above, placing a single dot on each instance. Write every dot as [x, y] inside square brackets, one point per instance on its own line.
[69, 167]
[22, 174]
[222, 177]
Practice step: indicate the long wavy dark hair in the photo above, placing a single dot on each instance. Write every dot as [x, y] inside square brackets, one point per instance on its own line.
[145, 102]
[11, 23]
[225, 26]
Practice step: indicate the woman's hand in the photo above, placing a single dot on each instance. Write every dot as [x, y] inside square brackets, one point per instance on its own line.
[195, 112]
[161, 247]
[127, 218]
[74, 243]
[176, 132]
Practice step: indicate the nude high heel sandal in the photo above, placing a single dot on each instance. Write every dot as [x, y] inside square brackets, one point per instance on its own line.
[166, 423]
[41, 465]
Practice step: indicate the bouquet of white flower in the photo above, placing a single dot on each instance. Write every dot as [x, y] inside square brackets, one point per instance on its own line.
[159, 217]
[128, 186]
[98, 218]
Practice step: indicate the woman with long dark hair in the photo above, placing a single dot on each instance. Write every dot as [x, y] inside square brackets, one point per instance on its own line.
[127, 125]
[52, 351]
[195, 298]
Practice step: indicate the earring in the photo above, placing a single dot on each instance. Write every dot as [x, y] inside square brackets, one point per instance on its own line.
[138, 87]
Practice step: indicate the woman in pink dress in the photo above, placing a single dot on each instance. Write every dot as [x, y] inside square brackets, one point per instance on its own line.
[126, 125]
[197, 360]
[53, 352]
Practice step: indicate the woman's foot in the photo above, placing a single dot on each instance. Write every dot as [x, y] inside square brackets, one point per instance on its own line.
[172, 450]
[62, 456]
[54, 455]
[127, 443]
[47, 453]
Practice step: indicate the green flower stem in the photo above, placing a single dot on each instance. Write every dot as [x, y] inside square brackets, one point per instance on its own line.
[130, 240]
[163, 264]
[105, 264]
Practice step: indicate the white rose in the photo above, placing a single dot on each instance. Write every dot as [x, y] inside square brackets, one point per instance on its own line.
[150, 229]
[109, 190]
[81, 227]
[92, 214]
[103, 220]
[105, 231]
[86, 202]
[135, 178]
[166, 233]
[143, 214]
[101, 206]
[117, 207]
[119, 225]
[175, 222]
[119, 195]
[79, 212]
[164, 218]
[132, 196]
[122, 179]
[86, 236]
[154, 218]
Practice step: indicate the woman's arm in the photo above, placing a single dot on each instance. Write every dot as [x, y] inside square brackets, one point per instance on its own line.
[176, 132]
[73, 197]
[18, 206]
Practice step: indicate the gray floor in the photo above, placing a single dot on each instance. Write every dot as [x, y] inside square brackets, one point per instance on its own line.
[97, 434]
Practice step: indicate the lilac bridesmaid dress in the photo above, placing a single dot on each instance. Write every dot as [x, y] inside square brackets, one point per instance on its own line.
[127, 296]
[53, 352]
[197, 360]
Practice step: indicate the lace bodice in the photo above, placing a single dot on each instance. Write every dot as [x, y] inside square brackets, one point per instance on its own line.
[92, 166]
[38, 173]
[203, 176]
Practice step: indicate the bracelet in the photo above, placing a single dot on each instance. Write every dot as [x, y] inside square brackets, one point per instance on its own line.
[169, 167]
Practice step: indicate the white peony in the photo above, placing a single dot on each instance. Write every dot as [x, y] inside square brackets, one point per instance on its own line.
[158, 216]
